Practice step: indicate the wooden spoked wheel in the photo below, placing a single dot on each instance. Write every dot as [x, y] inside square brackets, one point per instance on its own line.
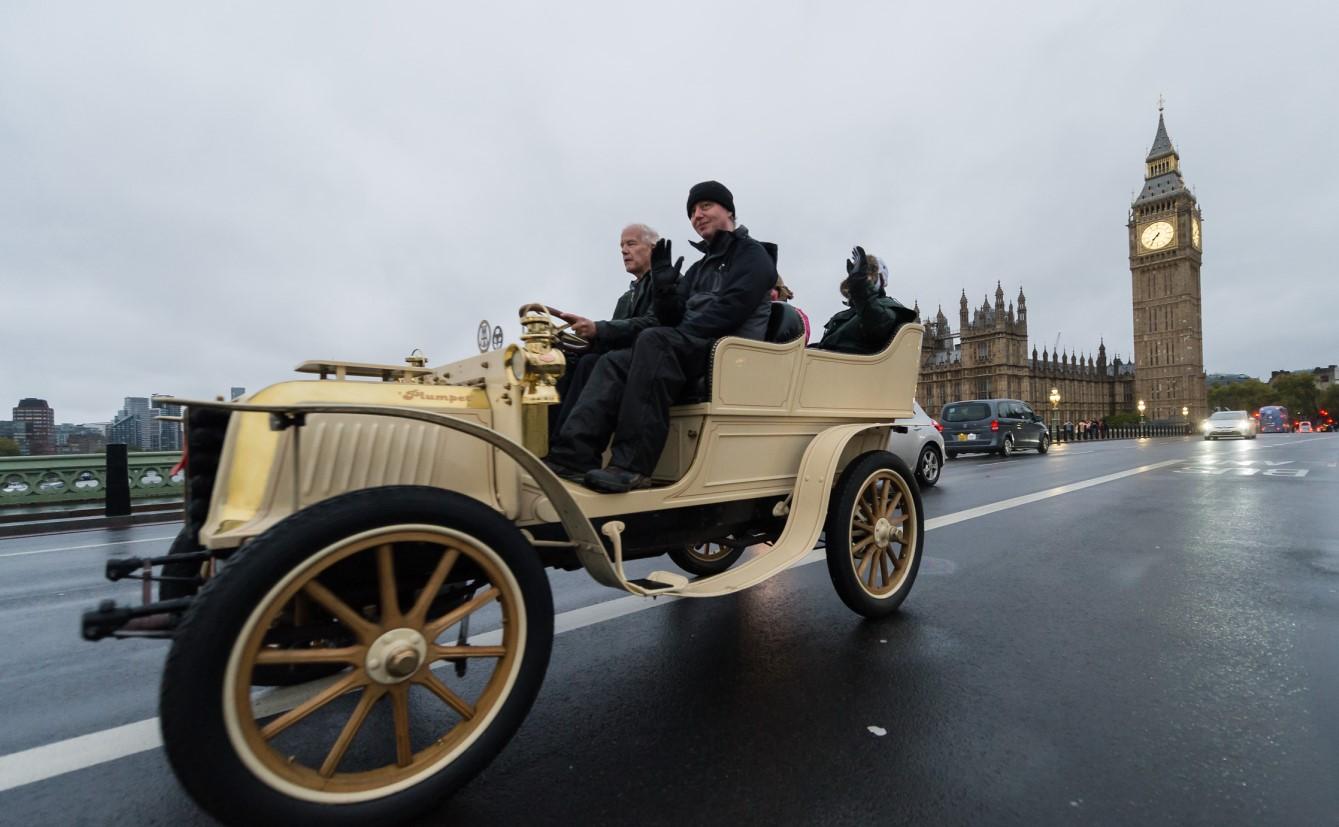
[706, 559]
[379, 589]
[882, 533]
[875, 531]
[397, 642]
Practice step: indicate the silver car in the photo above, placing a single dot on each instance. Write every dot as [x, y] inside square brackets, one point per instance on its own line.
[1229, 423]
[918, 443]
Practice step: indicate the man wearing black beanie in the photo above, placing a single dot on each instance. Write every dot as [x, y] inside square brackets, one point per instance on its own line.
[726, 293]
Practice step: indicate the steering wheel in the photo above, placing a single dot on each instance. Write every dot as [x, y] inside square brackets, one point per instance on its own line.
[563, 336]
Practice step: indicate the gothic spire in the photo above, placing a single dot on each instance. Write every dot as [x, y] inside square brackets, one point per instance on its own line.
[1162, 168]
[1162, 145]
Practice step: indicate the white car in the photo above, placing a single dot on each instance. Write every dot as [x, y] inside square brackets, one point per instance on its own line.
[921, 447]
[1229, 424]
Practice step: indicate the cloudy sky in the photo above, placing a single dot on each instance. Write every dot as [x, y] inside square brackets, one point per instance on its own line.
[194, 197]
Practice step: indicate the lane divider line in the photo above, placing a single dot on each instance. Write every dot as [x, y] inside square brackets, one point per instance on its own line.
[50, 760]
[91, 545]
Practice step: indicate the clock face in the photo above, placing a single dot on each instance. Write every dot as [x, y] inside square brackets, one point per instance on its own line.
[1195, 232]
[1157, 235]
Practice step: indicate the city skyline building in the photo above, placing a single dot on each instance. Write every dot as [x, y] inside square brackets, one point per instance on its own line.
[37, 421]
[137, 425]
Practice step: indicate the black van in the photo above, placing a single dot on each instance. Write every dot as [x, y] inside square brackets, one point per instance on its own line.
[998, 426]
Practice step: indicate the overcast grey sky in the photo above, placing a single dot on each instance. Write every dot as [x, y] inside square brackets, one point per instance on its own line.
[194, 197]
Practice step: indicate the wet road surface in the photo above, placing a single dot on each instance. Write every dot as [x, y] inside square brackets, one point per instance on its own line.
[1114, 632]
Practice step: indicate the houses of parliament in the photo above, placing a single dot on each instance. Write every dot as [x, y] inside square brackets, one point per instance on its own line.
[988, 356]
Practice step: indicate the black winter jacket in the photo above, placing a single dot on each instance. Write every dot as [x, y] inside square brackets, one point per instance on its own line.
[868, 325]
[726, 293]
[633, 314]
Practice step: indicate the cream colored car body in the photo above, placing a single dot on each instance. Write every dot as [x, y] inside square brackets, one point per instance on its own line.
[782, 422]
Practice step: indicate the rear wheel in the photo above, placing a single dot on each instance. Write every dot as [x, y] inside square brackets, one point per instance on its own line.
[874, 534]
[928, 466]
[706, 559]
[393, 577]
[1007, 447]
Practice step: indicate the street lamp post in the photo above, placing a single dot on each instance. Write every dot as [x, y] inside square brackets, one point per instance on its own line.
[1055, 407]
[1140, 406]
[1185, 417]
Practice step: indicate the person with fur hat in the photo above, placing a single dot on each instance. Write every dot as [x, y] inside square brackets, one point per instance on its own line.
[629, 394]
[872, 317]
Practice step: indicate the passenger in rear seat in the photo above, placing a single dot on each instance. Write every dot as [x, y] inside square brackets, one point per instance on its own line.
[629, 394]
[872, 318]
[791, 323]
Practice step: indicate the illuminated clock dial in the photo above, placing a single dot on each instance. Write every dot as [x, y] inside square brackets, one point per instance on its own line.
[1157, 235]
[1195, 232]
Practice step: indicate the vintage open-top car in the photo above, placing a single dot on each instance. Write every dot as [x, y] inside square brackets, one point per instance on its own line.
[358, 604]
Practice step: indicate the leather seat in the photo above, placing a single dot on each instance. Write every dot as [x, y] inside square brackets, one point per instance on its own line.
[783, 325]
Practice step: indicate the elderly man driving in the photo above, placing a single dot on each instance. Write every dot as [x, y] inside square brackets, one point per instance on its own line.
[632, 314]
[629, 394]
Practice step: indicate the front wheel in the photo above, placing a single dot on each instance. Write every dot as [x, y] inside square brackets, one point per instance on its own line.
[1044, 444]
[874, 534]
[386, 582]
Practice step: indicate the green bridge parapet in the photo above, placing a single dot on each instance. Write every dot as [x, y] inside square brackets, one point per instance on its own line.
[72, 478]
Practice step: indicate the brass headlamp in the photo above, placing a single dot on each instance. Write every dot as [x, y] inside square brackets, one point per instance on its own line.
[536, 365]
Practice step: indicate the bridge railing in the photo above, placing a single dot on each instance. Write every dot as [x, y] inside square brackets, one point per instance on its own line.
[1062, 434]
[73, 478]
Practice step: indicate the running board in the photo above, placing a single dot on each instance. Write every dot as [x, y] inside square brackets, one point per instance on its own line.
[808, 509]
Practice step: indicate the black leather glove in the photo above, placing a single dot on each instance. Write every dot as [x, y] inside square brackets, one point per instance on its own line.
[663, 274]
[857, 268]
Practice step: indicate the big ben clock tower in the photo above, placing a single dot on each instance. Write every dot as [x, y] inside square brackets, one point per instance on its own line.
[1165, 252]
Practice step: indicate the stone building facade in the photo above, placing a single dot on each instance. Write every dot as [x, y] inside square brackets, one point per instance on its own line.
[988, 357]
[988, 354]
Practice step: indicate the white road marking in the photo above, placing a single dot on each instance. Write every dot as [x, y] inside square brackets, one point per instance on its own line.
[79, 548]
[40, 763]
[1014, 502]
[1290, 443]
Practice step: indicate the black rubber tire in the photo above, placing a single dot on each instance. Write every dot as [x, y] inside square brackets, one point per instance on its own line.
[838, 535]
[191, 704]
[169, 589]
[1044, 444]
[1250, 436]
[1007, 446]
[1208, 438]
[949, 456]
[686, 560]
[928, 477]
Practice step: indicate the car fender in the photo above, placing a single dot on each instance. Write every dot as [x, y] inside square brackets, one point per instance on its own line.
[807, 510]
